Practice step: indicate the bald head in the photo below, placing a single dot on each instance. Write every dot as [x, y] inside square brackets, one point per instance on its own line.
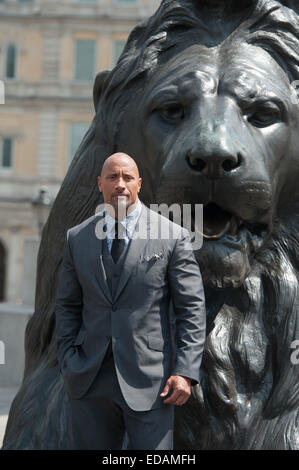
[120, 158]
[120, 183]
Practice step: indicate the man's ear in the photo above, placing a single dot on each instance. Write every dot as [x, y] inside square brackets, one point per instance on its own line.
[99, 182]
[100, 84]
[140, 183]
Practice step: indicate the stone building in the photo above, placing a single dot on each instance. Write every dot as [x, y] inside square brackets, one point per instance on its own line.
[50, 52]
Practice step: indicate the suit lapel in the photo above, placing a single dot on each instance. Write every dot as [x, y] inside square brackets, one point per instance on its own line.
[134, 250]
[97, 255]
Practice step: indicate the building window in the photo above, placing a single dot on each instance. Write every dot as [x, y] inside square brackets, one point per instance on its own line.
[10, 61]
[118, 47]
[6, 152]
[77, 132]
[85, 60]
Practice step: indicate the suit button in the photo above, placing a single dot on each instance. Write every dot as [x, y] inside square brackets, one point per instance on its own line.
[114, 308]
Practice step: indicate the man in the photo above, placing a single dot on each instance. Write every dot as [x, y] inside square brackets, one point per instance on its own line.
[121, 369]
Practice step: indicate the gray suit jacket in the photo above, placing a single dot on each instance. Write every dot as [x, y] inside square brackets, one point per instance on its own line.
[155, 272]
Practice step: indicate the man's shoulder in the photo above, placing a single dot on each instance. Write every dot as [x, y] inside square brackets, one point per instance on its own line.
[157, 218]
[85, 224]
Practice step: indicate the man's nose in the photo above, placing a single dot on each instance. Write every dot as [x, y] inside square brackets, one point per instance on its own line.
[120, 183]
[216, 153]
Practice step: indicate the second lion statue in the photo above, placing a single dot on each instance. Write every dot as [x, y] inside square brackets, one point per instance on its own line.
[203, 99]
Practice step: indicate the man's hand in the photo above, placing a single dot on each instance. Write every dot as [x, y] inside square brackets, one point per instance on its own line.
[181, 387]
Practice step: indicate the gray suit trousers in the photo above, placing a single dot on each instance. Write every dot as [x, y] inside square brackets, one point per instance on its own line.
[101, 417]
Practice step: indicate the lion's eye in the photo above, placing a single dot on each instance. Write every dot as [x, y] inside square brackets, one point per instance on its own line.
[173, 112]
[264, 117]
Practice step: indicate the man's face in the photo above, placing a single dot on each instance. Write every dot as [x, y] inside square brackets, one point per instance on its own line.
[120, 183]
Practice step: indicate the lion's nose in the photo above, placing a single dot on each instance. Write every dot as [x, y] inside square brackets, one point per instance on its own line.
[214, 165]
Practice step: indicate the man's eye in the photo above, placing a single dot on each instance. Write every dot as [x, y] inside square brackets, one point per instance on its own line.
[264, 117]
[173, 112]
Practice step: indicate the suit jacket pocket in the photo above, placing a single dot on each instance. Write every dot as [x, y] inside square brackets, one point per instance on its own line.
[79, 338]
[155, 343]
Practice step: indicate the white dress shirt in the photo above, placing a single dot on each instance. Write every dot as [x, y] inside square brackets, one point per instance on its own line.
[129, 224]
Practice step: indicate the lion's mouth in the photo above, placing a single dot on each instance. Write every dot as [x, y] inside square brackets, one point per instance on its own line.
[218, 222]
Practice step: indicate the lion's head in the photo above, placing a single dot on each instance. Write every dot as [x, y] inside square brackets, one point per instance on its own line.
[202, 98]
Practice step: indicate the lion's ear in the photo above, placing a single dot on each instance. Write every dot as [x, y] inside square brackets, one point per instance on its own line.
[99, 86]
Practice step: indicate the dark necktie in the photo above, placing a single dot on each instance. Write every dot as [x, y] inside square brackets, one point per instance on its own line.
[118, 243]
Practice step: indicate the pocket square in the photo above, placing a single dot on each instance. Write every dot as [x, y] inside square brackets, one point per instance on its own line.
[153, 256]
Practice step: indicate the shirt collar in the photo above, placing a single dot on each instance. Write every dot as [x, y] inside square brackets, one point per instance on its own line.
[128, 223]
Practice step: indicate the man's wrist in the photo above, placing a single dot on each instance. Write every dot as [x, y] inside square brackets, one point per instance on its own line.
[186, 378]
[193, 381]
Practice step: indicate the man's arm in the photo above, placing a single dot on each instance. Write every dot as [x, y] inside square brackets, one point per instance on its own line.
[69, 303]
[189, 306]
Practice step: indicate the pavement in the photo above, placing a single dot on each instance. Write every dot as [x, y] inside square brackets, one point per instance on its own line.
[7, 395]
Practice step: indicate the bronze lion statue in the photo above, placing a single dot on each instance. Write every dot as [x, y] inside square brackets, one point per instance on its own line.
[203, 99]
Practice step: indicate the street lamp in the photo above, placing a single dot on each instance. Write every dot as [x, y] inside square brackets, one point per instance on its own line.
[41, 205]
